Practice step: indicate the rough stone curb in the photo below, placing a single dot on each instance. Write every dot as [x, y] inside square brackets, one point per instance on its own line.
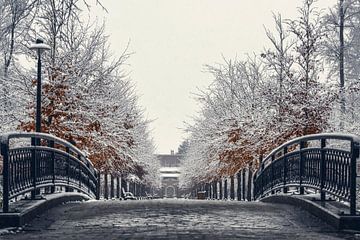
[341, 222]
[18, 219]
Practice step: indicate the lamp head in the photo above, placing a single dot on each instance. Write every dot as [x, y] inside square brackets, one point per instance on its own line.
[39, 45]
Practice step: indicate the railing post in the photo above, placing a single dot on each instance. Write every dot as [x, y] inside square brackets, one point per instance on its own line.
[322, 170]
[144, 191]
[285, 189]
[6, 169]
[215, 190]
[130, 187]
[301, 166]
[207, 190]
[272, 174]
[210, 190]
[353, 176]
[225, 189]
[217, 193]
[141, 191]
[51, 144]
[117, 187]
[112, 194]
[126, 189]
[220, 189]
[106, 187]
[67, 188]
[249, 183]
[133, 188]
[232, 188]
[98, 182]
[285, 170]
[260, 189]
[262, 177]
[123, 187]
[238, 192]
[208, 194]
[79, 175]
[33, 168]
[243, 183]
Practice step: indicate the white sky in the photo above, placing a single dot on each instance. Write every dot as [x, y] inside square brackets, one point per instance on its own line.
[173, 39]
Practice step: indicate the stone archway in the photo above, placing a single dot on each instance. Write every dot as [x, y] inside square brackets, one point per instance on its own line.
[170, 192]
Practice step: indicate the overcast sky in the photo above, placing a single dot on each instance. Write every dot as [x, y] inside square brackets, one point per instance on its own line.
[173, 39]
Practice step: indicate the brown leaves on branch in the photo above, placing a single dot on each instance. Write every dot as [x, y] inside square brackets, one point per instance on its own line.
[64, 114]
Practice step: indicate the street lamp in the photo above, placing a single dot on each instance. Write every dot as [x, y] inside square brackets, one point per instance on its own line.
[39, 47]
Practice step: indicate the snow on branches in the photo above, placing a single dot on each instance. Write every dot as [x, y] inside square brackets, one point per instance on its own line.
[256, 104]
[87, 96]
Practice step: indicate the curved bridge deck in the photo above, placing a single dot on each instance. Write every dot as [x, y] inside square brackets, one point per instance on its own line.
[176, 219]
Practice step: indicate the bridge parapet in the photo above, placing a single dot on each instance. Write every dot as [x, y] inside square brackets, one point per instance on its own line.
[323, 162]
[37, 160]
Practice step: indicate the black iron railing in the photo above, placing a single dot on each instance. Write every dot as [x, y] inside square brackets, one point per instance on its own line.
[325, 162]
[32, 161]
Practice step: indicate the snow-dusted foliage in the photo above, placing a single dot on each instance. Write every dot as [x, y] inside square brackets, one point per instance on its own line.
[256, 104]
[342, 51]
[15, 20]
[87, 98]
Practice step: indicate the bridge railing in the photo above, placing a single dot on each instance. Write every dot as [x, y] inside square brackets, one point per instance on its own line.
[113, 185]
[229, 187]
[32, 161]
[324, 162]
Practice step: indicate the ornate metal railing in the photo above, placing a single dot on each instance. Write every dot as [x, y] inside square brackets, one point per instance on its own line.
[324, 162]
[32, 161]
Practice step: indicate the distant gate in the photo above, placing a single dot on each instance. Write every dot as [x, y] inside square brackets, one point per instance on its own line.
[170, 191]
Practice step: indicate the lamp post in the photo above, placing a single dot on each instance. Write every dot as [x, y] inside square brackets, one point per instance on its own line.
[39, 47]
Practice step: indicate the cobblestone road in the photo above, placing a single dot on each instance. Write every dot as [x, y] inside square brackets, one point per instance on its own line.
[176, 219]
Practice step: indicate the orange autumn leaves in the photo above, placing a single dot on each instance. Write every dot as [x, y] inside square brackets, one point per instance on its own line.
[67, 114]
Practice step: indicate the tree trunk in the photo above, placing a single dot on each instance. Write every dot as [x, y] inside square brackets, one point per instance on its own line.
[341, 65]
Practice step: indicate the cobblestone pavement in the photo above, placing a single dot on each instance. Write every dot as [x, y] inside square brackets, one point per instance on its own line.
[176, 219]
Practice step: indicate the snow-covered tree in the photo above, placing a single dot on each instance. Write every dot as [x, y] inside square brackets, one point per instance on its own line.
[88, 97]
[256, 104]
[341, 51]
[15, 20]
